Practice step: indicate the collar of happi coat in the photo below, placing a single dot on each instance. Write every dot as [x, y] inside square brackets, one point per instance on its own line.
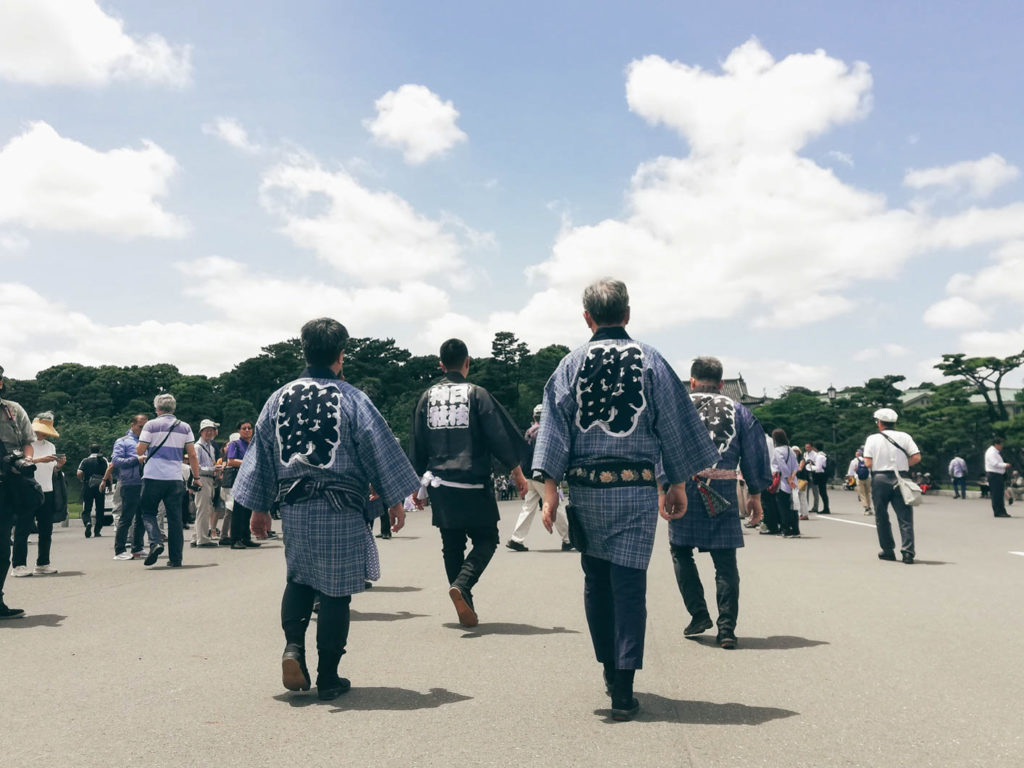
[454, 377]
[611, 332]
[318, 372]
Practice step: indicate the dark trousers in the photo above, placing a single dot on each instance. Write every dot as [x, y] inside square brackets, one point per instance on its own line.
[464, 570]
[331, 625]
[789, 518]
[90, 497]
[771, 512]
[960, 487]
[997, 487]
[385, 525]
[170, 493]
[615, 601]
[241, 521]
[821, 481]
[43, 518]
[883, 493]
[131, 512]
[727, 585]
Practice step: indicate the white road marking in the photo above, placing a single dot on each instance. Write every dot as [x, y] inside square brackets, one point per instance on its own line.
[1018, 553]
[849, 522]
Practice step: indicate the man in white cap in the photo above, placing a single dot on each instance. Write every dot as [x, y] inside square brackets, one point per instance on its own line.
[206, 452]
[534, 496]
[887, 452]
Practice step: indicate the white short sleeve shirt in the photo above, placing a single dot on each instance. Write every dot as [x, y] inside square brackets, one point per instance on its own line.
[886, 457]
[44, 470]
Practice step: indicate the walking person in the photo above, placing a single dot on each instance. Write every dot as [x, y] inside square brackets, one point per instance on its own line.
[859, 471]
[319, 443]
[90, 472]
[739, 438]
[458, 430]
[534, 496]
[887, 452]
[614, 409]
[958, 476]
[15, 435]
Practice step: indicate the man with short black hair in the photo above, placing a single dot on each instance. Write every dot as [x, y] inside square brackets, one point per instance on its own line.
[91, 471]
[127, 463]
[613, 410]
[820, 475]
[888, 452]
[15, 435]
[712, 523]
[995, 472]
[319, 444]
[457, 429]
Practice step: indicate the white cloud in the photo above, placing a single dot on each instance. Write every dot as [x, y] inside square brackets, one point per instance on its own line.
[756, 105]
[874, 353]
[12, 241]
[955, 312]
[74, 42]
[415, 120]
[841, 157]
[228, 129]
[979, 178]
[51, 182]
[1002, 279]
[375, 237]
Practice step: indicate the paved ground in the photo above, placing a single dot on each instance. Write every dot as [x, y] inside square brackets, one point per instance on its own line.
[843, 660]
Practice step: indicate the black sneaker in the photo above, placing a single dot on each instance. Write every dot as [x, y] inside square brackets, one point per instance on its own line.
[294, 674]
[727, 639]
[463, 607]
[567, 547]
[224, 542]
[698, 625]
[887, 555]
[517, 546]
[154, 552]
[332, 689]
[10, 613]
[623, 711]
[250, 544]
[908, 558]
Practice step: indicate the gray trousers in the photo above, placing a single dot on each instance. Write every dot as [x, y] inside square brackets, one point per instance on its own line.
[883, 493]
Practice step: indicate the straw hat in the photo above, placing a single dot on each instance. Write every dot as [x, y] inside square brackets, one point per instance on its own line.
[43, 424]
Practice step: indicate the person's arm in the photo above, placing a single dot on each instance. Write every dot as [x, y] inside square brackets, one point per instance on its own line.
[193, 462]
[915, 458]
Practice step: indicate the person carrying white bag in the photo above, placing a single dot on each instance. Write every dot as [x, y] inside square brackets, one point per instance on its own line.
[889, 455]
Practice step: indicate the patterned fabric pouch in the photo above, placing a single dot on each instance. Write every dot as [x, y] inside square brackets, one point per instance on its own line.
[714, 502]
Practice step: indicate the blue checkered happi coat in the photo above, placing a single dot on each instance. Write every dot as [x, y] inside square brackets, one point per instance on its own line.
[325, 429]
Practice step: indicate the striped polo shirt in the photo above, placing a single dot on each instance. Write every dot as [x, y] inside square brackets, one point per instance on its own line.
[165, 463]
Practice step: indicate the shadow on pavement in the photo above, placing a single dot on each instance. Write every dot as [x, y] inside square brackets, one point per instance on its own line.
[932, 562]
[658, 709]
[183, 566]
[65, 573]
[773, 643]
[378, 699]
[35, 620]
[511, 629]
[395, 589]
[400, 616]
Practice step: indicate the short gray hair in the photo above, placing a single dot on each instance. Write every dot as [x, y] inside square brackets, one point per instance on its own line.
[607, 301]
[164, 403]
[706, 368]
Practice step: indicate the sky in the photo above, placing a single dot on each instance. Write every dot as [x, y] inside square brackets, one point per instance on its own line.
[817, 193]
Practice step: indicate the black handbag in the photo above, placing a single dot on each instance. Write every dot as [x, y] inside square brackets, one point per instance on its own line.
[577, 536]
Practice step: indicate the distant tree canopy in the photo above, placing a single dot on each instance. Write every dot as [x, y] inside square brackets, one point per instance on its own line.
[94, 404]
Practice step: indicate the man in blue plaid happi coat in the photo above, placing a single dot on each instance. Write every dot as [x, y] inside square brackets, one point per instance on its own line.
[319, 444]
[613, 411]
[712, 523]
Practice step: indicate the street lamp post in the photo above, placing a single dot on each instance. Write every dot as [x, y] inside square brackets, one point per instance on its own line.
[832, 400]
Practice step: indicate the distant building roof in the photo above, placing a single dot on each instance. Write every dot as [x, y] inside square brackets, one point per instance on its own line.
[737, 390]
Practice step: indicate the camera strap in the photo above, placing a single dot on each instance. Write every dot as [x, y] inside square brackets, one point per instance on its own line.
[151, 450]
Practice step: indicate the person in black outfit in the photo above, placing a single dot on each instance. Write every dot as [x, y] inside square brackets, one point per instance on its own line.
[457, 427]
[91, 472]
[15, 435]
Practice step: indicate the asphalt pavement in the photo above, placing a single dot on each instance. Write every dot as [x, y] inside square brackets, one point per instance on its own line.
[843, 660]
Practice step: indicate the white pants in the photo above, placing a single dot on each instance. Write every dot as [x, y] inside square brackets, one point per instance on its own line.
[531, 505]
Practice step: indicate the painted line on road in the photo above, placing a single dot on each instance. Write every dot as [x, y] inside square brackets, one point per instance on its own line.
[848, 522]
[1018, 553]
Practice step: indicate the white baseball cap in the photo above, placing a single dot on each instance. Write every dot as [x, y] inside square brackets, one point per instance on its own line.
[886, 414]
[207, 423]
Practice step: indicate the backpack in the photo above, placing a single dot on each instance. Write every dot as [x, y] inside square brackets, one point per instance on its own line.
[862, 470]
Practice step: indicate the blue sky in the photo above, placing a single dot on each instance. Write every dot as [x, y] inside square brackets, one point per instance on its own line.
[817, 193]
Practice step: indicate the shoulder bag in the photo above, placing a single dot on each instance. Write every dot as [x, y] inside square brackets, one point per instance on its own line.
[909, 490]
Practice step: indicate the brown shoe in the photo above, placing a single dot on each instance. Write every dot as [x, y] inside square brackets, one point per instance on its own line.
[467, 616]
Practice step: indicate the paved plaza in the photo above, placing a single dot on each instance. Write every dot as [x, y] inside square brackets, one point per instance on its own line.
[843, 660]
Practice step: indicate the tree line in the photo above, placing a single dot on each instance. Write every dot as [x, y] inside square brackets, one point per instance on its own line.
[93, 404]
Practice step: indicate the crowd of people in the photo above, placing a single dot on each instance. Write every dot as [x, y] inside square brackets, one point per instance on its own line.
[616, 427]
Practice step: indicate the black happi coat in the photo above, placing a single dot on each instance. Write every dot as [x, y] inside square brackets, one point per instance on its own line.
[458, 430]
